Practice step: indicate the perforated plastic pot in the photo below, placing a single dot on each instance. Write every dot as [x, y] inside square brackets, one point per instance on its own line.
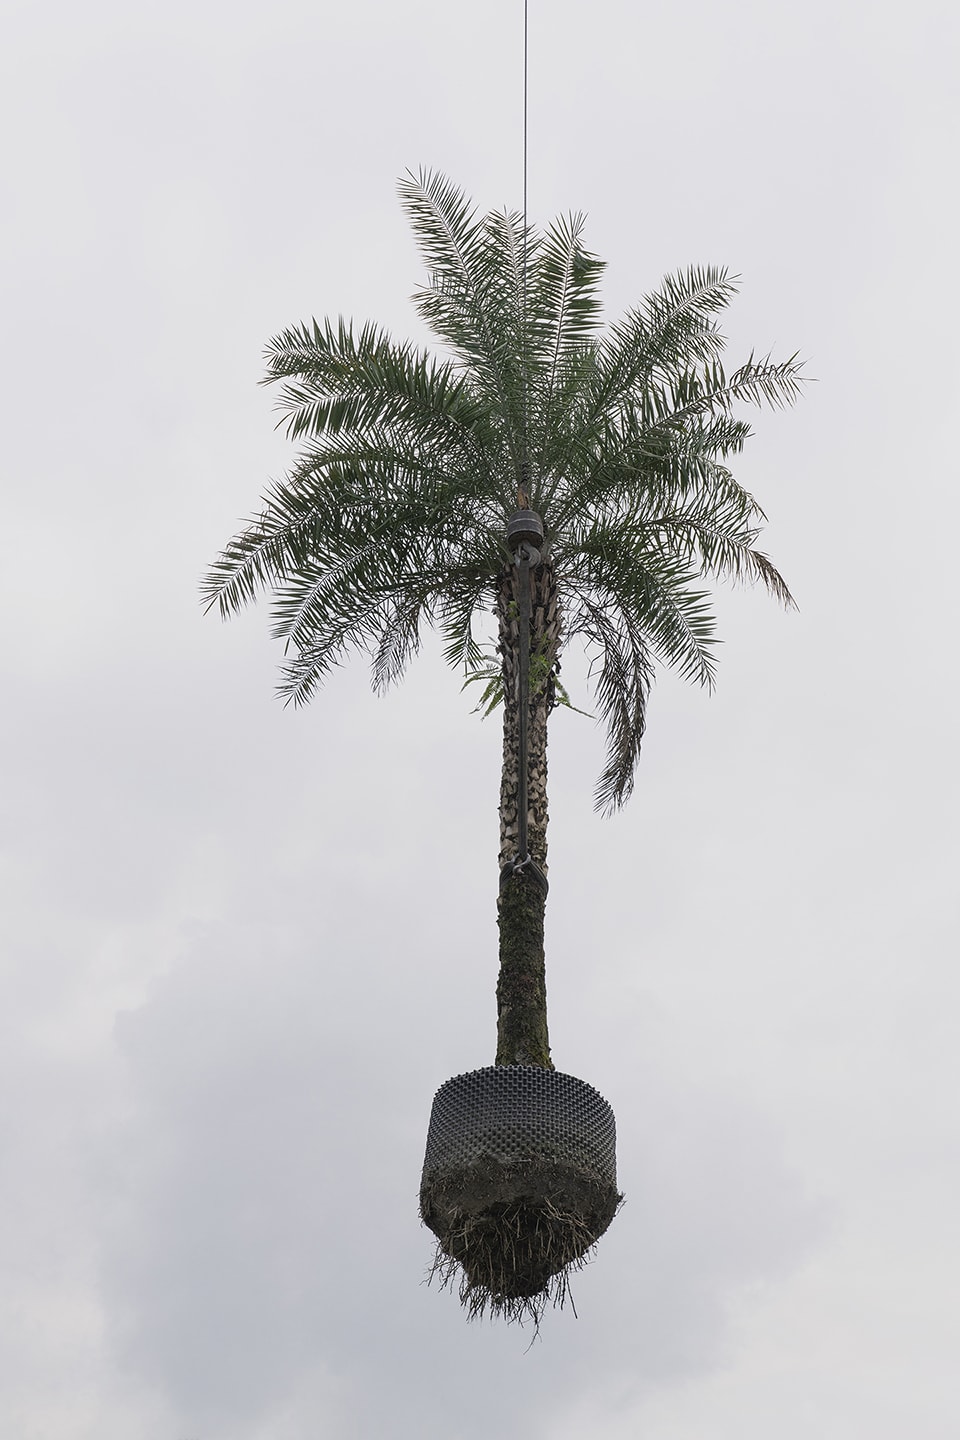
[513, 1112]
[525, 1153]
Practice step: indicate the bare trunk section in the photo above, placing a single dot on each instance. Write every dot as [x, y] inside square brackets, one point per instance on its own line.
[522, 1037]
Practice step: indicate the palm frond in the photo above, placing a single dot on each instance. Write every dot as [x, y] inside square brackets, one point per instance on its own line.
[486, 671]
[471, 300]
[449, 235]
[252, 562]
[400, 635]
[633, 604]
[622, 673]
[691, 394]
[309, 512]
[671, 329]
[719, 539]
[339, 383]
[566, 299]
[457, 612]
[635, 577]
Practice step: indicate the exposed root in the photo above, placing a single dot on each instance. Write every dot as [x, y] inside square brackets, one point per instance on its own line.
[513, 1265]
[510, 1236]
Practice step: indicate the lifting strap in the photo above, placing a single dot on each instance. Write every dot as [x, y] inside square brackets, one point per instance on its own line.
[523, 860]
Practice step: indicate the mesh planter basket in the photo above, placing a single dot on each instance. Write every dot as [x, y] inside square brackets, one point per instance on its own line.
[519, 1182]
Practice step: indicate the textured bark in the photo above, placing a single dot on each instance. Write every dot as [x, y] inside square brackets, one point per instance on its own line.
[522, 1037]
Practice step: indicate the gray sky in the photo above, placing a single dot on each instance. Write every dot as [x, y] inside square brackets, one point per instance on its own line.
[242, 946]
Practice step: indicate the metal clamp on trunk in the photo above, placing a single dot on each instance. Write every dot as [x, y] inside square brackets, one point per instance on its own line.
[528, 866]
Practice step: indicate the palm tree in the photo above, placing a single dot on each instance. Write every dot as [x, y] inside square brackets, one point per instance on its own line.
[393, 519]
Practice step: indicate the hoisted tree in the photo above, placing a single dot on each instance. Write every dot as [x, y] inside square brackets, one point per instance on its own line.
[576, 482]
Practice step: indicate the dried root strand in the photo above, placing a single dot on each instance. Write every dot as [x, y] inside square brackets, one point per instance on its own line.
[513, 1261]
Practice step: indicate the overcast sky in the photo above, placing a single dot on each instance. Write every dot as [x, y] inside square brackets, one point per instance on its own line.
[243, 946]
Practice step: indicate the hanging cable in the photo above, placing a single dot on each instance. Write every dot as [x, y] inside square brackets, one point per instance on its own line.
[524, 539]
[525, 91]
[523, 585]
[523, 489]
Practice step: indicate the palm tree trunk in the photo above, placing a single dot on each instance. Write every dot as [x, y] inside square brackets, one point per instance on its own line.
[522, 1037]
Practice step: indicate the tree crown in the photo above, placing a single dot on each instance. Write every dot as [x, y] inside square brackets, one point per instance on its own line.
[392, 518]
